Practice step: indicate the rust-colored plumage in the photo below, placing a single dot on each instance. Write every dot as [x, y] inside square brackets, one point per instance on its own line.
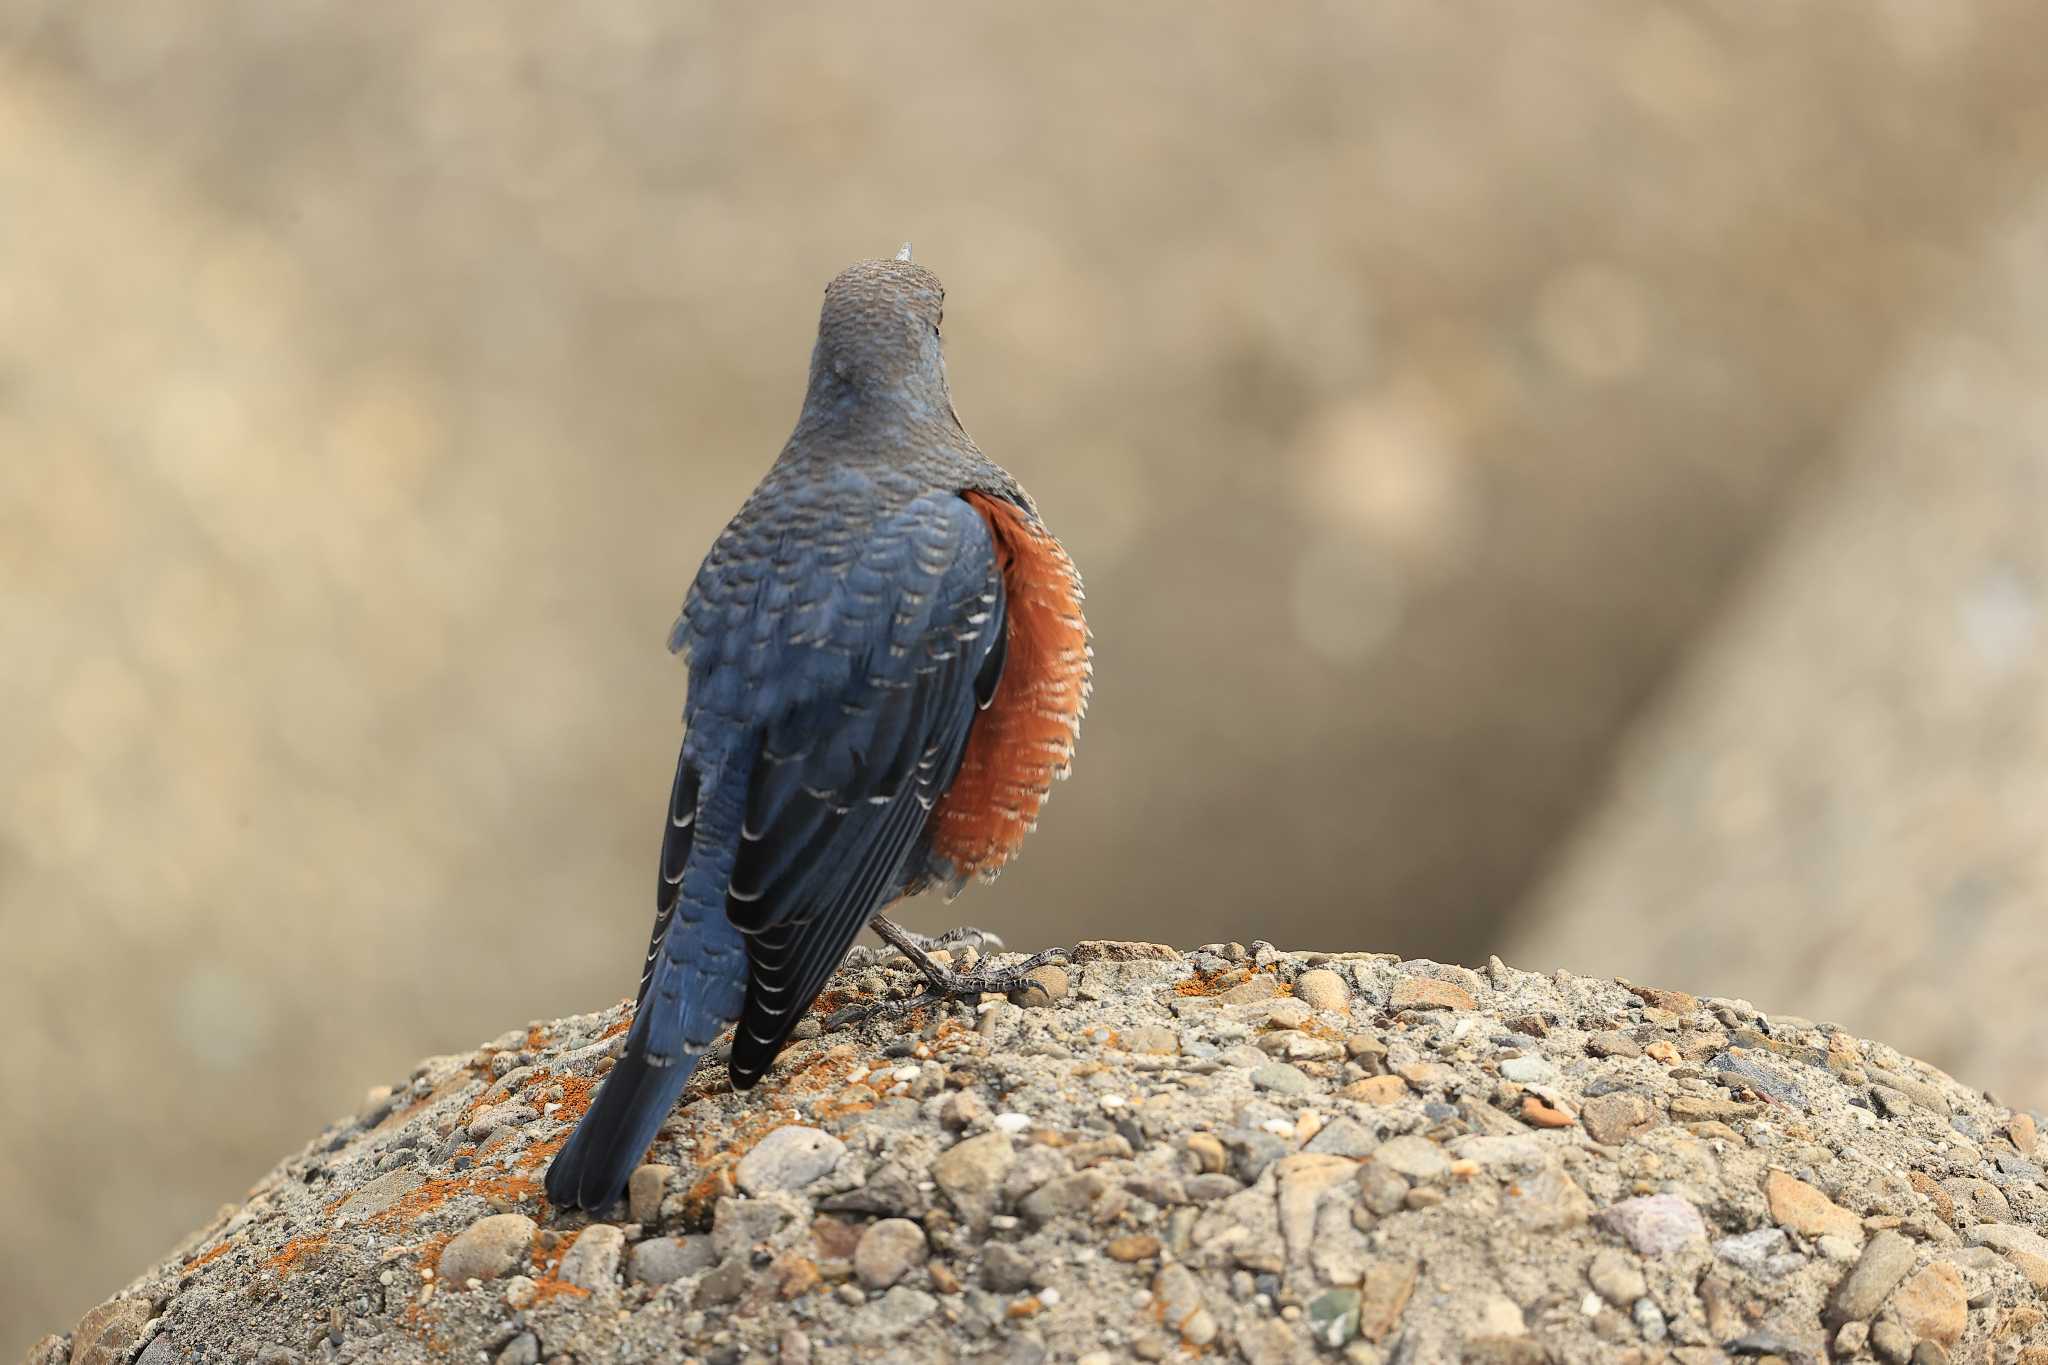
[1024, 741]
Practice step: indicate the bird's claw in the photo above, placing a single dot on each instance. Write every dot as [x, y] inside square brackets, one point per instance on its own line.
[943, 984]
[861, 957]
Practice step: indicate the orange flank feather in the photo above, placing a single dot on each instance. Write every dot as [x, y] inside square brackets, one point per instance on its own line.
[1025, 738]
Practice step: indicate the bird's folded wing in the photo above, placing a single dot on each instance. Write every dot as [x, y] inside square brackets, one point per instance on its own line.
[864, 691]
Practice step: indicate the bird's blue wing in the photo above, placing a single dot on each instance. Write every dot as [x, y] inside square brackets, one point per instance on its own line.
[862, 679]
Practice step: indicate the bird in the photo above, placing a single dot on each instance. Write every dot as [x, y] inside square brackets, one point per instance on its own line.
[888, 665]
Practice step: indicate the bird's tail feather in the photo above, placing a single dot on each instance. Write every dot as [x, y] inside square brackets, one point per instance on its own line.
[694, 991]
[591, 1171]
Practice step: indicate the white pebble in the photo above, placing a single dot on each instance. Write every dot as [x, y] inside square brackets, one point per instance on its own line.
[1278, 1127]
[1590, 1305]
[857, 1075]
[1011, 1122]
[1049, 1297]
[1112, 1101]
[906, 1073]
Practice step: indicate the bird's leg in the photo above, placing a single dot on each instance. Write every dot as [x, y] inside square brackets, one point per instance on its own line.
[941, 983]
[944, 981]
[981, 940]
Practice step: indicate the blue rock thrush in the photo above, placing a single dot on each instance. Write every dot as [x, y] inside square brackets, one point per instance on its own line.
[887, 669]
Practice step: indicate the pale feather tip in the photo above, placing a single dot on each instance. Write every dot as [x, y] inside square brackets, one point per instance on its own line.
[904, 254]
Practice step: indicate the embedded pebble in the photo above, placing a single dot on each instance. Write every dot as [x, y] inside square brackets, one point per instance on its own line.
[487, 1249]
[1805, 1210]
[1005, 1269]
[663, 1260]
[593, 1262]
[889, 1250]
[789, 1158]
[1427, 993]
[1933, 1305]
[1614, 1118]
[1764, 1253]
[108, 1334]
[971, 1171]
[1259, 986]
[1322, 989]
[498, 1116]
[1656, 1224]
[1878, 1271]
[1528, 1071]
[1042, 986]
[645, 1189]
[1417, 1158]
[960, 1110]
[1616, 1277]
[1281, 1079]
[2026, 1249]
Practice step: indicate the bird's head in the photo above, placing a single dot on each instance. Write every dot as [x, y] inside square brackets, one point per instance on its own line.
[878, 337]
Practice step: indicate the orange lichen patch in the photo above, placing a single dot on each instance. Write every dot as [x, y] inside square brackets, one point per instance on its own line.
[737, 1143]
[536, 1037]
[548, 1250]
[539, 1154]
[954, 1037]
[818, 1070]
[852, 1100]
[1211, 983]
[713, 1185]
[545, 1291]
[209, 1256]
[615, 1030]
[431, 1249]
[576, 1095]
[831, 1001]
[1025, 739]
[293, 1255]
[1329, 1033]
[498, 1190]
[796, 1276]
[1215, 983]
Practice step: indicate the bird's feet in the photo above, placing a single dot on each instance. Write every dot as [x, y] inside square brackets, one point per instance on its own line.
[942, 983]
[861, 956]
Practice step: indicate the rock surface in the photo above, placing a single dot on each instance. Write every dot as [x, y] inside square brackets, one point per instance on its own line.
[1025, 1185]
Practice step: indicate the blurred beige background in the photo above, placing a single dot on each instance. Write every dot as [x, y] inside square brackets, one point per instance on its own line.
[1411, 383]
